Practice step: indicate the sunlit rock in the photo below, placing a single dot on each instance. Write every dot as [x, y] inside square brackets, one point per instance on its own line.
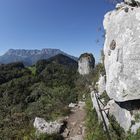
[122, 53]
[122, 116]
[86, 63]
[47, 127]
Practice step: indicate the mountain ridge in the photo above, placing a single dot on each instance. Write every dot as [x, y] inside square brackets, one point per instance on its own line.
[30, 57]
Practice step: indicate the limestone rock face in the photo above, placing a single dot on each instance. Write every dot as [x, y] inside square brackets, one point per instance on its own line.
[86, 63]
[44, 127]
[135, 127]
[122, 52]
[122, 115]
[101, 84]
[132, 2]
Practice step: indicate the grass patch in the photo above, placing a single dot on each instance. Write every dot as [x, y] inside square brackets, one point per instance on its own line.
[32, 69]
[137, 117]
[105, 97]
[94, 130]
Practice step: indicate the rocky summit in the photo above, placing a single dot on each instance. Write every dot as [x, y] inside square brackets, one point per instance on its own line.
[86, 63]
[122, 52]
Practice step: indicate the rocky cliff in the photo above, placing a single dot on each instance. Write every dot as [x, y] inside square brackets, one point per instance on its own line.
[86, 63]
[30, 57]
[122, 52]
[122, 64]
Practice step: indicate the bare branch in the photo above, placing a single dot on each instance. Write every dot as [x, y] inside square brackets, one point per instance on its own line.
[114, 1]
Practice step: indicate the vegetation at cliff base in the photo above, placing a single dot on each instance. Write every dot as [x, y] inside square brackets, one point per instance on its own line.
[94, 129]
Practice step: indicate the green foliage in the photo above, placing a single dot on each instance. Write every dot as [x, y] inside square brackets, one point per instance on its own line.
[137, 117]
[58, 59]
[50, 137]
[131, 136]
[98, 70]
[105, 97]
[32, 69]
[94, 129]
[25, 95]
[57, 74]
[35, 136]
[40, 66]
[11, 71]
[82, 87]
[45, 90]
[116, 131]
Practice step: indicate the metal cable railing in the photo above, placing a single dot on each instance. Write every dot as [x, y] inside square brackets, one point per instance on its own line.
[104, 122]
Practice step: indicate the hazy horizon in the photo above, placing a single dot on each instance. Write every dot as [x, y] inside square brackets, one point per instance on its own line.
[41, 49]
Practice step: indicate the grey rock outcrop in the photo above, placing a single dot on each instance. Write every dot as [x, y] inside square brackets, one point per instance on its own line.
[122, 59]
[101, 84]
[132, 2]
[44, 127]
[123, 116]
[72, 105]
[122, 52]
[86, 63]
[122, 66]
[135, 127]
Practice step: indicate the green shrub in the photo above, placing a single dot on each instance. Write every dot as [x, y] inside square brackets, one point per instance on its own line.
[137, 117]
[25, 95]
[131, 136]
[105, 97]
[32, 69]
[50, 137]
[94, 130]
[116, 131]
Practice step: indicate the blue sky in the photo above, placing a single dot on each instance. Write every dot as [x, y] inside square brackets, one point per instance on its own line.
[69, 25]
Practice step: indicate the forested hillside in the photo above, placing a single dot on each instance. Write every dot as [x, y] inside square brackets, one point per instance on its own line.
[43, 90]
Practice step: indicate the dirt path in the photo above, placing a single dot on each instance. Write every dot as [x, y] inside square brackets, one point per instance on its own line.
[75, 127]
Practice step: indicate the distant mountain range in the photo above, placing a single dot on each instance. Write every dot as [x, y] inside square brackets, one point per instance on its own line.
[30, 57]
